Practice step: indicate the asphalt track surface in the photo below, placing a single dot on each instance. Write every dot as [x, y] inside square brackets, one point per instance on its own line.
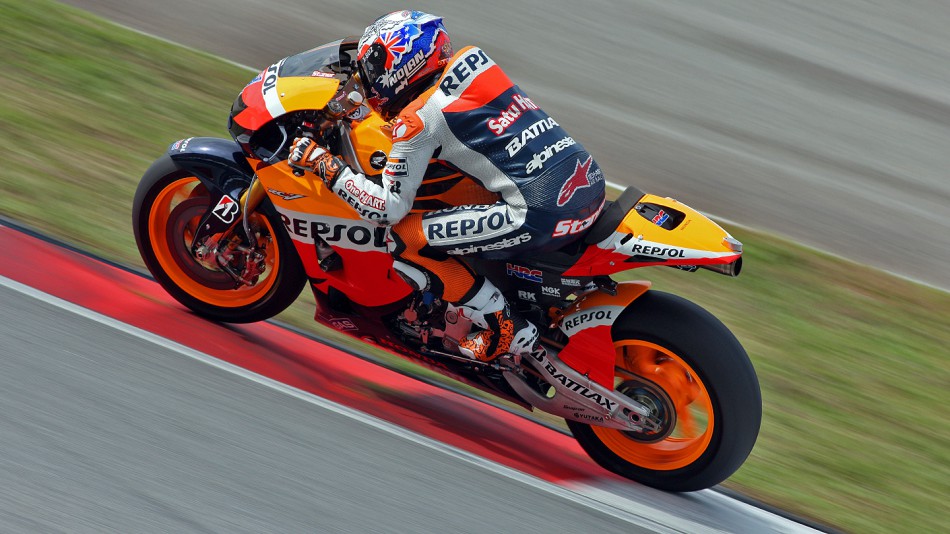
[826, 122]
[107, 432]
[122, 412]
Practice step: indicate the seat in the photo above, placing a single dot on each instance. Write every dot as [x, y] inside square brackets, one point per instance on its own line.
[613, 213]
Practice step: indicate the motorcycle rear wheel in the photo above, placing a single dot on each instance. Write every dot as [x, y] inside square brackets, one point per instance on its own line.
[682, 361]
[168, 206]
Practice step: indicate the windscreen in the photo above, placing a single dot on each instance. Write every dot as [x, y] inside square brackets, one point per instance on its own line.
[330, 59]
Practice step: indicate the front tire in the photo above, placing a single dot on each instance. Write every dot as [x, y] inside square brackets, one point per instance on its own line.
[169, 204]
[679, 359]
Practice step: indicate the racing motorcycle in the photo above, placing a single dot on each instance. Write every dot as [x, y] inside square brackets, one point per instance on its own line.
[652, 386]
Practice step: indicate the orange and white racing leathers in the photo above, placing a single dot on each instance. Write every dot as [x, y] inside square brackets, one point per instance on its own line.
[539, 189]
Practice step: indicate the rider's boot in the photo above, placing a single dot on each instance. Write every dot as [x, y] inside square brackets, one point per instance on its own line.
[505, 331]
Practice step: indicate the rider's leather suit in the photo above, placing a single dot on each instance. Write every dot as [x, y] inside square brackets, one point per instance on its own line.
[537, 188]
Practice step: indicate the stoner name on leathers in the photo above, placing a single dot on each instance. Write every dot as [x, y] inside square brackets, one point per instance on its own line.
[652, 386]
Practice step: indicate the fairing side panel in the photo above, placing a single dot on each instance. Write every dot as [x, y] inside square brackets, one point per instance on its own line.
[312, 214]
[269, 96]
[588, 322]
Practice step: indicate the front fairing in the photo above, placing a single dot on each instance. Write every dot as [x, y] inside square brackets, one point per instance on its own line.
[304, 81]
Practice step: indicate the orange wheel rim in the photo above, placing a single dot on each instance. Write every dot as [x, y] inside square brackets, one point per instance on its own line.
[694, 423]
[172, 222]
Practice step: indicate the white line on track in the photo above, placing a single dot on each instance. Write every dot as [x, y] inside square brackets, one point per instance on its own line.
[605, 502]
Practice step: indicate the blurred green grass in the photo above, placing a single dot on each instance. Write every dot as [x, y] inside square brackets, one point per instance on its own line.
[852, 361]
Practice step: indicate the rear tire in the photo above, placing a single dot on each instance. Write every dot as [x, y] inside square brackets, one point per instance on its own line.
[168, 206]
[679, 358]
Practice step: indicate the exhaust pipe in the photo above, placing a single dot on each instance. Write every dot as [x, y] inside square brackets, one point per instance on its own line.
[728, 269]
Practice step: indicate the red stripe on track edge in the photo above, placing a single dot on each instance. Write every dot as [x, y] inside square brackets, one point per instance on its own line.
[300, 362]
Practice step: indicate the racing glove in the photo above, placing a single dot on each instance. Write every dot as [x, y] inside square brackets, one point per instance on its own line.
[306, 154]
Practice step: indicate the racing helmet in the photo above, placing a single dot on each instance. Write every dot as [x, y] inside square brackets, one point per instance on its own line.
[398, 57]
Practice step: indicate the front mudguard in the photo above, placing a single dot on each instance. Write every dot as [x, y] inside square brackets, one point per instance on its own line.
[587, 323]
[220, 165]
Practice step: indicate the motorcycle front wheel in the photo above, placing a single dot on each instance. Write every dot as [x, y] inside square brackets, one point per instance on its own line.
[682, 362]
[168, 207]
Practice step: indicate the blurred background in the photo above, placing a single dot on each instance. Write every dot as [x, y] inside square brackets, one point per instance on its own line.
[826, 122]
[816, 131]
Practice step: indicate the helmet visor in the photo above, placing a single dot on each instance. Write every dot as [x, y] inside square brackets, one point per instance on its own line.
[373, 65]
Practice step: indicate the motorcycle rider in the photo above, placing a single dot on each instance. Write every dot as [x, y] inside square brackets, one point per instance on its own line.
[464, 113]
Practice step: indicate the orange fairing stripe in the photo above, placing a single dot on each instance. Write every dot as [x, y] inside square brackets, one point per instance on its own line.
[255, 113]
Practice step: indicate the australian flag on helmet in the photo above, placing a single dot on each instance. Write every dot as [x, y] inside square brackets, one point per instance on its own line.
[397, 53]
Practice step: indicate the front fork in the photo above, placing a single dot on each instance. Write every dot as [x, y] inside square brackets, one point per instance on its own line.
[215, 243]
